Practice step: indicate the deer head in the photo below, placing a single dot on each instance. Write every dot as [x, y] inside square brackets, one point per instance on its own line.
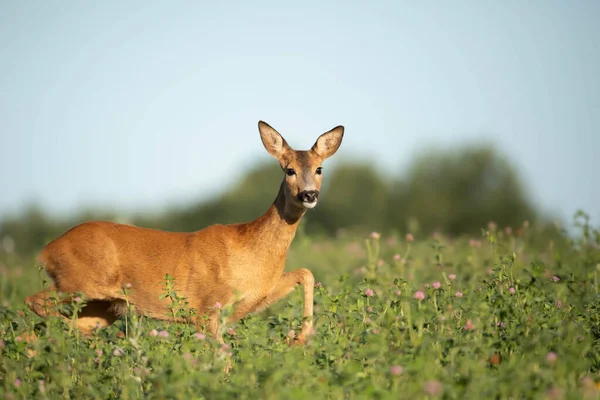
[303, 170]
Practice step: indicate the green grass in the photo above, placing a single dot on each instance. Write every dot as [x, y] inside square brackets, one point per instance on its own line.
[526, 326]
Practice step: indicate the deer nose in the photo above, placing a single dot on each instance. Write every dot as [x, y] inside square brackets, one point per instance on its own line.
[308, 196]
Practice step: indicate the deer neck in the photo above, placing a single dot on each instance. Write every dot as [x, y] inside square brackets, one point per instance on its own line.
[274, 231]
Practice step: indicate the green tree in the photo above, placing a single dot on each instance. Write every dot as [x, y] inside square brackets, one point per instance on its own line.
[455, 191]
[246, 200]
[354, 196]
[461, 191]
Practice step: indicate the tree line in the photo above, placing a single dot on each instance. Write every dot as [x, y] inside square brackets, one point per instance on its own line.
[451, 191]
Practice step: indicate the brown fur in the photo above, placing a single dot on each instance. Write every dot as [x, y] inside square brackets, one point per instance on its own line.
[210, 266]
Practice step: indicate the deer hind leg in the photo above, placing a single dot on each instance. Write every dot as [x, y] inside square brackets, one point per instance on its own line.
[43, 305]
[96, 313]
[284, 286]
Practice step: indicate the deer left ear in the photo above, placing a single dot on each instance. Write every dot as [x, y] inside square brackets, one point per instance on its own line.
[329, 142]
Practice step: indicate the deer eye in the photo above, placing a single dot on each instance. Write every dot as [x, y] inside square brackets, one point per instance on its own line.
[319, 171]
[290, 172]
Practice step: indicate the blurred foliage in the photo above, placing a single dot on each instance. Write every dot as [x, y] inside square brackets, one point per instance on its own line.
[456, 191]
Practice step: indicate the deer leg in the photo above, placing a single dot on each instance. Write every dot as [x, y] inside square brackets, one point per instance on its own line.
[286, 284]
[95, 314]
[213, 328]
[42, 304]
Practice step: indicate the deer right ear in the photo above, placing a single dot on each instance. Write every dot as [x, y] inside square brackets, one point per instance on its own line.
[272, 140]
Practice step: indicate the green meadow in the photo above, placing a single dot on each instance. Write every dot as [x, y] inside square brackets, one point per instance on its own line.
[509, 313]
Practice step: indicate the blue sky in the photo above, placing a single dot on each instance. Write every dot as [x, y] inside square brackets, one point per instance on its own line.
[139, 105]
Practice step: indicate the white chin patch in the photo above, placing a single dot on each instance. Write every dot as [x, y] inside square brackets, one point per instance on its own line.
[307, 204]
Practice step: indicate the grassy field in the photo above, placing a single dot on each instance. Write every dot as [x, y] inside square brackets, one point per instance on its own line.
[509, 314]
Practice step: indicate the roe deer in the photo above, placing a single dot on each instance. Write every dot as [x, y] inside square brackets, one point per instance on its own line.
[210, 266]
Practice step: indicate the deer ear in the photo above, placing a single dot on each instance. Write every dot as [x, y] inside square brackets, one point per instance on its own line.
[274, 143]
[329, 142]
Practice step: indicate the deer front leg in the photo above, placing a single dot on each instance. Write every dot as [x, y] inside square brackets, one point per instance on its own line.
[213, 328]
[284, 286]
